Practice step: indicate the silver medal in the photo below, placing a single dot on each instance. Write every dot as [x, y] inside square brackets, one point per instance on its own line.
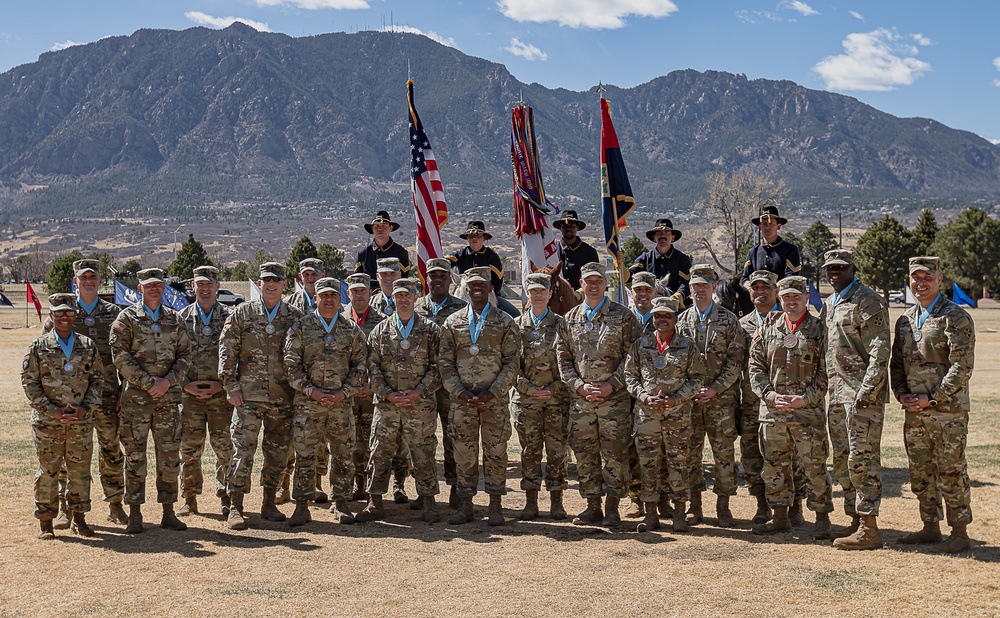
[917, 335]
[589, 326]
[790, 341]
[328, 339]
[474, 349]
[89, 321]
[405, 344]
[269, 329]
[155, 328]
[68, 367]
[536, 335]
[660, 362]
[206, 330]
[701, 327]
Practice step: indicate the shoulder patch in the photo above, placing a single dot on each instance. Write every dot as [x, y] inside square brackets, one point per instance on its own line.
[290, 332]
[118, 325]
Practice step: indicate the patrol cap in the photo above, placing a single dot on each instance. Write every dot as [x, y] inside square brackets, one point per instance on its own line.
[842, 257]
[406, 285]
[314, 264]
[644, 279]
[82, 266]
[536, 281]
[793, 285]
[590, 269]
[206, 273]
[359, 280]
[479, 273]
[766, 276]
[388, 265]
[664, 304]
[272, 269]
[703, 273]
[438, 264]
[151, 275]
[62, 301]
[925, 263]
[327, 284]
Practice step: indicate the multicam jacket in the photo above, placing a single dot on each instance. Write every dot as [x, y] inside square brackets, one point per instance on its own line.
[776, 368]
[50, 387]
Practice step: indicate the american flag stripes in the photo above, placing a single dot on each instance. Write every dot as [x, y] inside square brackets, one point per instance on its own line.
[429, 207]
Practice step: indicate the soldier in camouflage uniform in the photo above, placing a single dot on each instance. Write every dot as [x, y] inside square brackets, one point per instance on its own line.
[389, 270]
[479, 360]
[325, 359]
[203, 404]
[437, 306]
[93, 319]
[663, 371]
[62, 376]
[857, 356]
[540, 402]
[359, 312]
[152, 351]
[932, 359]
[788, 374]
[716, 332]
[402, 365]
[592, 344]
[252, 369]
[643, 286]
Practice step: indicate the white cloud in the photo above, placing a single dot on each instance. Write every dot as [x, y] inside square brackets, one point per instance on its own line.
[430, 34]
[856, 15]
[224, 22]
[64, 45]
[525, 50]
[312, 5]
[995, 142]
[921, 40]
[873, 60]
[596, 14]
[755, 17]
[801, 7]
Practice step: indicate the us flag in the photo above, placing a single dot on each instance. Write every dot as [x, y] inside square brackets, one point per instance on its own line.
[428, 194]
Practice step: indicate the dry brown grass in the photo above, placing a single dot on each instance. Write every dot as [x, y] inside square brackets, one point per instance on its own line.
[538, 568]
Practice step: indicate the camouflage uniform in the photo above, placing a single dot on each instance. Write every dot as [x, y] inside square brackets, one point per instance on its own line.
[312, 363]
[140, 355]
[382, 304]
[857, 355]
[646, 327]
[939, 366]
[801, 434]
[749, 417]
[198, 415]
[49, 387]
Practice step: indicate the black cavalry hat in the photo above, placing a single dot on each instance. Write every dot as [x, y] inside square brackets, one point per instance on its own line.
[663, 225]
[381, 217]
[475, 227]
[569, 216]
[769, 212]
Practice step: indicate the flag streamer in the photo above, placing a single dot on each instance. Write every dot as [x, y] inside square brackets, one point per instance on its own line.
[531, 207]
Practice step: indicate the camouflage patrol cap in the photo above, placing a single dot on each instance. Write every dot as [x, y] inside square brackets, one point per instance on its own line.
[925, 263]
[272, 269]
[793, 285]
[327, 284]
[664, 304]
[206, 273]
[151, 275]
[591, 269]
[359, 280]
[841, 257]
[766, 276]
[82, 266]
[388, 265]
[479, 273]
[438, 264]
[314, 264]
[411, 286]
[703, 273]
[643, 279]
[62, 302]
[536, 281]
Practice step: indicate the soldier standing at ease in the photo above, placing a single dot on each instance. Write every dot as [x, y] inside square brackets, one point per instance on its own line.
[717, 334]
[404, 376]
[592, 344]
[252, 369]
[478, 360]
[62, 376]
[152, 351]
[389, 270]
[932, 359]
[572, 250]
[643, 286]
[203, 404]
[437, 306]
[857, 355]
[773, 254]
[670, 266]
[788, 373]
[325, 358]
[540, 402]
[381, 246]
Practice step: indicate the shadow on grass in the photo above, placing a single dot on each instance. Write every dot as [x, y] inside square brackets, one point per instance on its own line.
[980, 552]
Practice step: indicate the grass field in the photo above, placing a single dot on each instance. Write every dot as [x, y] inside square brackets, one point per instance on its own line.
[540, 568]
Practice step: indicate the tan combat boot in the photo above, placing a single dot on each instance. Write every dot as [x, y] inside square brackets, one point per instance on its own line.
[495, 512]
[268, 508]
[956, 542]
[284, 496]
[849, 530]
[611, 517]
[763, 514]
[795, 516]
[821, 529]
[320, 496]
[301, 516]
[779, 522]
[116, 514]
[651, 521]
[530, 505]
[664, 507]
[724, 517]
[679, 523]
[465, 513]
[399, 489]
[694, 514]
[635, 509]
[430, 512]
[224, 505]
[556, 509]
[359, 488]
[61, 521]
[866, 537]
[373, 510]
[80, 526]
[169, 521]
[45, 531]
[190, 507]
[931, 533]
[236, 520]
[134, 519]
[592, 514]
[342, 510]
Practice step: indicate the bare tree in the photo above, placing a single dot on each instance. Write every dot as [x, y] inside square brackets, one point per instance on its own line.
[733, 200]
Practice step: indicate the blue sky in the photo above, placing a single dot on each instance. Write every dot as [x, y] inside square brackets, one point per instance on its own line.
[908, 58]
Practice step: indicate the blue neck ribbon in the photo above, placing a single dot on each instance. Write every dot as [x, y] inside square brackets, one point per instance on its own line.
[153, 315]
[67, 346]
[438, 307]
[273, 313]
[327, 326]
[592, 313]
[87, 308]
[704, 316]
[538, 320]
[923, 315]
[205, 318]
[404, 331]
[839, 297]
[476, 326]
[643, 317]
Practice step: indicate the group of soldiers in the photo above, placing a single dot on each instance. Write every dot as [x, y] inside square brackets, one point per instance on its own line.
[355, 393]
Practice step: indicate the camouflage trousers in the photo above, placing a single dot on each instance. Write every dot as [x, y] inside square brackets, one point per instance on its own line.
[276, 419]
[61, 445]
[750, 455]
[364, 412]
[663, 441]
[163, 420]
[856, 436]
[717, 420]
[322, 462]
[599, 434]
[333, 427]
[468, 425]
[111, 459]
[198, 416]
[542, 424]
[412, 428]
[935, 447]
[782, 445]
[443, 410]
